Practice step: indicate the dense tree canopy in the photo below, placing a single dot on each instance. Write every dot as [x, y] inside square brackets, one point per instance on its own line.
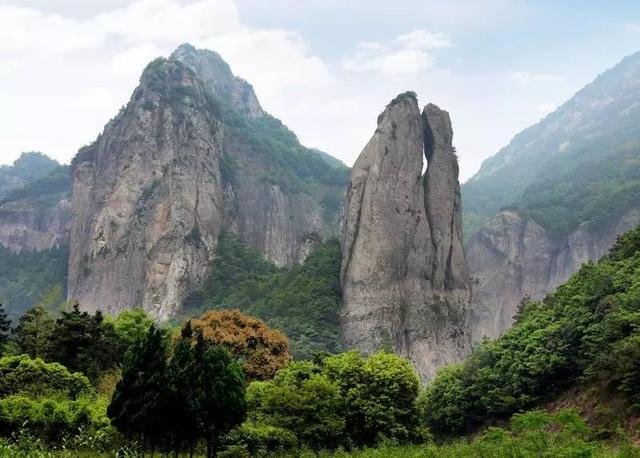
[262, 350]
[344, 399]
[85, 343]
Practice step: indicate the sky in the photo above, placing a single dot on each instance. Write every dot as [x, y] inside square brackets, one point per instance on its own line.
[326, 68]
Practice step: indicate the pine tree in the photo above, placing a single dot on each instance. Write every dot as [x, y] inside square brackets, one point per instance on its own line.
[141, 405]
[182, 376]
[33, 333]
[220, 393]
[5, 326]
[85, 343]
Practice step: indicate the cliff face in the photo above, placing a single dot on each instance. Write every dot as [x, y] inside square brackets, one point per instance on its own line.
[26, 225]
[511, 257]
[190, 155]
[35, 211]
[404, 278]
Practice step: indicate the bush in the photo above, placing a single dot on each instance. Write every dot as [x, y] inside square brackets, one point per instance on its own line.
[21, 375]
[258, 440]
[346, 399]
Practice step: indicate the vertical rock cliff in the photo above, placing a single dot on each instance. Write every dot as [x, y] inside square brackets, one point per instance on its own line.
[512, 257]
[35, 211]
[404, 278]
[191, 154]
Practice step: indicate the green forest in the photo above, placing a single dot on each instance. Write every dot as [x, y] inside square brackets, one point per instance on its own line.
[564, 381]
[302, 301]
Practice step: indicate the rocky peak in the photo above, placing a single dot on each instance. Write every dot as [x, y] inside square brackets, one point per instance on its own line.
[192, 154]
[405, 285]
[219, 79]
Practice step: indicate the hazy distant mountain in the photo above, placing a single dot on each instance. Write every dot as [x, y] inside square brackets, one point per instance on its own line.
[556, 196]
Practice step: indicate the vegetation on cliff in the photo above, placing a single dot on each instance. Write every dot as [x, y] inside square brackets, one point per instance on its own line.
[587, 331]
[303, 301]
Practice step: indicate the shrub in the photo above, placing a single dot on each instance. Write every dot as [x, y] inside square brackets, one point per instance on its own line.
[21, 375]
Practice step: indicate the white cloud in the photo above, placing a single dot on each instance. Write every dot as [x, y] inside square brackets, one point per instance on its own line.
[405, 55]
[523, 77]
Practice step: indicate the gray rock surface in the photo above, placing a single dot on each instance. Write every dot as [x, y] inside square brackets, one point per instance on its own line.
[176, 166]
[511, 257]
[404, 278]
[29, 225]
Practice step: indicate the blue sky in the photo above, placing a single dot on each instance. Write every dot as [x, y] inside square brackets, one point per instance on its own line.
[326, 68]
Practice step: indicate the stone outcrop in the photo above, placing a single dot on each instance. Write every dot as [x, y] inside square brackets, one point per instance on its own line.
[404, 277]
[35, 209]
[511, 257]
[191, 154]
[28, 225]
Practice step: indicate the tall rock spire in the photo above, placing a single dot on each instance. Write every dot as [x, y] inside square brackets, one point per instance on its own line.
[404, 279]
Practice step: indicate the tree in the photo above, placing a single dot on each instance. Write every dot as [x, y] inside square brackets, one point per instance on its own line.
[303, 401]
[5, 326]
[33, 377]
[379, 394]
[263, 350]
[33, 333]
[184, 391]
[85, 343]
[141, 406]
[345, 399]
[220, 386]
[131, 327]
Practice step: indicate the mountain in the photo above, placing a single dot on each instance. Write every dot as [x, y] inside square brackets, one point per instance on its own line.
[27, 168]
[192, 155]
[404, 277]
[555, 197]
[35, 218]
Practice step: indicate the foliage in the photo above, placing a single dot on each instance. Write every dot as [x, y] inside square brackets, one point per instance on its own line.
[588, 329]
[531, 435]
[50, 419]
[346, 399]
[5, 327]
[303, 402]
[379, 394]
[262, 350]
[140, 403]
[21, 375]
[25, 275]
[260, 440]
[221, 394]
[47, 400]
[33, 334]
[303, 301]
[85, 343]
[198, 394]
[131, 327]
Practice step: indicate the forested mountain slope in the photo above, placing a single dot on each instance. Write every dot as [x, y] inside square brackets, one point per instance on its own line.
[35, 216]
[555, 197]
[584, 335]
